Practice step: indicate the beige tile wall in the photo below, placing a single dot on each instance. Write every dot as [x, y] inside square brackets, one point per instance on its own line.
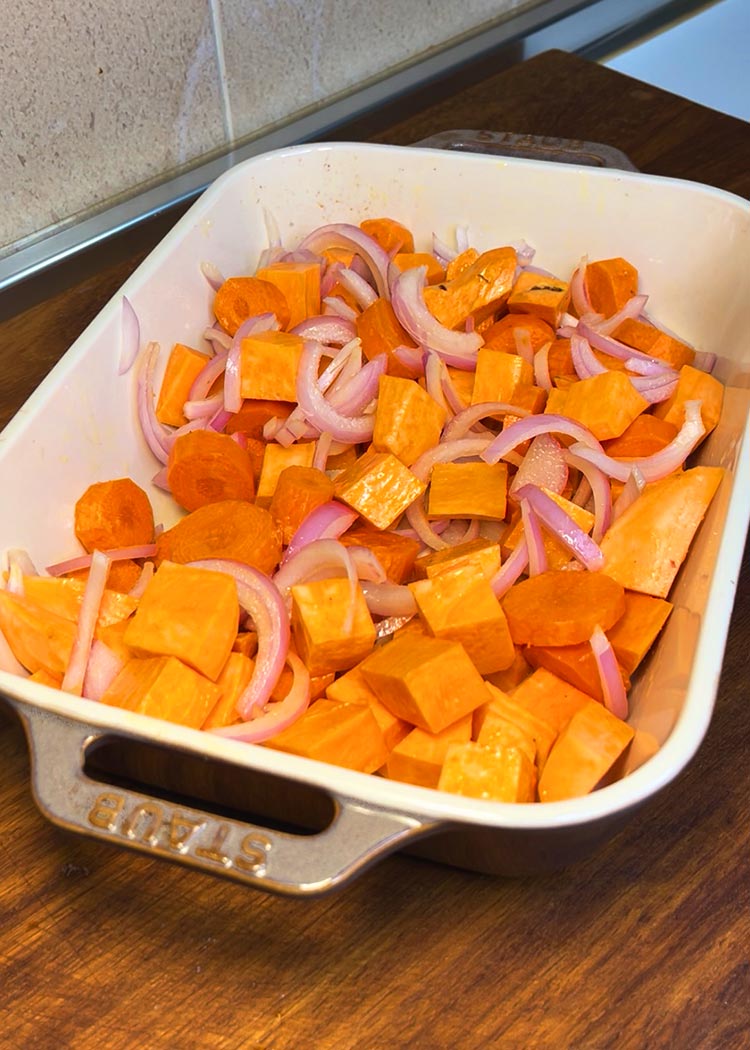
[99, 97]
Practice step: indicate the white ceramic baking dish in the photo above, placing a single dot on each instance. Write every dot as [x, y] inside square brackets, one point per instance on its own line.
[691, 245]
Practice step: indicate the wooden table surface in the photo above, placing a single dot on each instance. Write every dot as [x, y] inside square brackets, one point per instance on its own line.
[644, 945]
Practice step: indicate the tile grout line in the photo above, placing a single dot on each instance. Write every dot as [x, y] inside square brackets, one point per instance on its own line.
[226, 106]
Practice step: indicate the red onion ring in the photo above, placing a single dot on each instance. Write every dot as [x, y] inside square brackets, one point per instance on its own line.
[613, 690]
[130, 337]
[207, 376]
[542, 377]
[232, 377]
[319, 559]
[442, 251]
[276, 716]
[543, 465]
[661, 463]
[213, 275]
[213, 334]
[88, 614]
[260, 599]
[338, 307]
[544, 423]
[564, 529]
[513, 566]
[389, 599]
[331, 331]
[631, 490]
[103, 667]
[346, 235]
[328, 521]
[532, 532]
[467, 418]
[601, 490]
[84, 561]
[140, 585]
[408, 303]
[632, 309]
[352, 429]
[205, 408]
[364, 294]
[578, 291]
[156, 436]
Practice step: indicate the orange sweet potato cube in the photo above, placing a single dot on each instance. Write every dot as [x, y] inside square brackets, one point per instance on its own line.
[408, 260]
[584, 751]
[427, 681]
[575, 664]
[188, 613]
[610, 283]
[299, 490]
[419, 757]
[544, 297]
[499, 774]
[606, 403]
[300, 284]
[269, 363]
[276, 458]
[352, 688]
[636, 630]
[693, 385]
[183, 366]
[236, 675]
[498, 731]
[651, 340]
[483, 553]
[64, 596]
[461, 606]
[550, 698]
[395, 553]
[512, 676]
[327, 636]
[503, 707]
[38, 638]
[342, 734]
[468, 490]
[463, 384]
[407, 420]
[478, 291]
[163, 687]
[498, 375]
[379, 487]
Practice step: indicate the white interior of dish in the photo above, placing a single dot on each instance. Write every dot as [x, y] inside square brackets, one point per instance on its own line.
[690, 244]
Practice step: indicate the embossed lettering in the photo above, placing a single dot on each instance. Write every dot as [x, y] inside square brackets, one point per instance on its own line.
[149, 815]
[180, 830]
[105, 810]
[255, 849]
[214, 851]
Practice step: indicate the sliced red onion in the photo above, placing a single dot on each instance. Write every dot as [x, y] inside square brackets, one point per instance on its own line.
[649, 366]
[260, 599]
[275, 716]
[328, 521]
[204, 408]
[84, 561]
[331, 331]
[207, 376]
[104, 665]
[542, 377]
[661, 463]
[354, 396]
[455, 403]
[8, 661]
[544, 423]
[19, 556]
[364, 294]
[213, 275]
[389, 625]
[232, 378]
[585, 361]
[130, 337]
[330, 278]
[389, 599]
[160, 480]
[87, 616]
[600, 488]
[346, 235]
[433, 373]
[14, 584]
[606, 343]
[562, 526]
[513, 566]
[613, 690]
[322, 451]
[353, 429]
[217, 337]
[409, 306]
[632, 309]
[578, 291]
[338, 307]
[532, 532]
[525, 254]
[543, 465]
[655, 388]
[631, 490]
[583, 494]
[704, 360]
[157, 436]
[367, 565]
[460, 530]
[140, 585]
[442, 251]
[317, 560]
[218, 421]
[462, 238]
[467, 418]
[412, 358]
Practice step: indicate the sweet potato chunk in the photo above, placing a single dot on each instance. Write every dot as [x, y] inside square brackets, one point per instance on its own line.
[163, 687]
[418, 758]
[327, 635]
[269, 362]
[468, 490]
[342, 734]
[379, 487]
[407, 420]
[499, 774]
[585, 749]
[299, 283]
[39, 639]
[183, 366]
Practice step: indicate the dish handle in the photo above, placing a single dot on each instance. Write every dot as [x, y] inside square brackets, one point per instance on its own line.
[271, 860]
[531, 147]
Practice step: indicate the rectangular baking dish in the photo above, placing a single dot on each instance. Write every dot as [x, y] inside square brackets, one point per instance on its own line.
[691, 245]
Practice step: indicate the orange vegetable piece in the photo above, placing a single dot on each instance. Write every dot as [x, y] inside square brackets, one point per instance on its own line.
[550, 698]
[379, 487]
[54, 681]
[391, 235]
[533, 726]
[468, 490]
[480, 553]
[183, 366]
[430, 682]
[512, 676]
[462, 262]
[408, 421]
[64, 597]
[463, 384]
[560, 607]
[395, 553]
[113, 514]
[502, 334]
[269, 362]
[693, 385]
[342, 734]
[299, 283]
[227, 529]
[560, 359]
[499, 375]
[637, 629]
[123, 575]
[381, 333]
[418, 758]
[610, 283]
[575, 664]
[644, 548]
[299, 490]
[545, 297]
[39, 639]
[352, 688]
[645, 435]
[478, 291]
[235, 676]
[502, 774]
[558, 555]
[646, 337]
[207, 467]
[277, 459]
[328, 637]
[239, 298]
[254, 414]
[497, 731]
[163, 687]
[189, 613]
[408, 260]
[585, 749]
[606, 403]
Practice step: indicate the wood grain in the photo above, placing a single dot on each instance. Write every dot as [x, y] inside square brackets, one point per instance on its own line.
[644, 945]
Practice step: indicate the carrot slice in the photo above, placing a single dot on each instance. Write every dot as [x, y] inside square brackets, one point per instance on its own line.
[241, 297]
[232, 529]
[206, 467]
[562, 607]
[114, 514]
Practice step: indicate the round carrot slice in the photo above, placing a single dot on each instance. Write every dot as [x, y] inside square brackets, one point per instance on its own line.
[232, 529]
[241, 297]
[562, 607]
[206, 467]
